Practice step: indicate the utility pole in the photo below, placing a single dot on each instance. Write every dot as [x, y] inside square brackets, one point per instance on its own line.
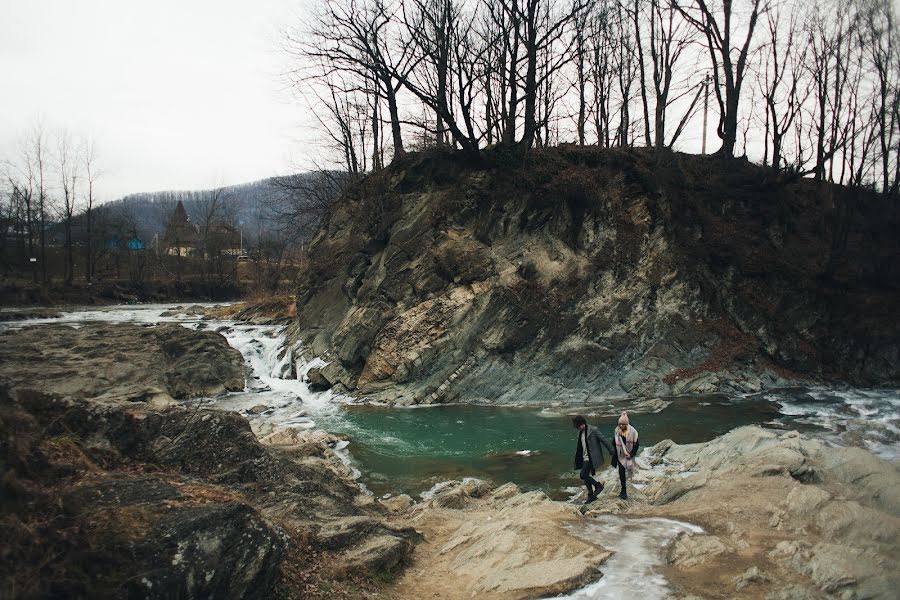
[705, 107]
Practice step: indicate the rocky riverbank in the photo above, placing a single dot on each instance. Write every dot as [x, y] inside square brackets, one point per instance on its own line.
[25, 293]
[584, 273]
[783, 517]
[110, 492]
[111, 489]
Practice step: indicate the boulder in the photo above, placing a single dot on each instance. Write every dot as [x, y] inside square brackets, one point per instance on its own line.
[317, 381]
[832, 510]
[846, 571]
[397, 504]
[199, 363]
[749, 577]
[689, 550]
[806, 500]
[211, 523]
[214, 550]
[797, 592]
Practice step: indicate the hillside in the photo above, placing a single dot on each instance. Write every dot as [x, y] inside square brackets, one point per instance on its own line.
[582, 273]
[254, 206]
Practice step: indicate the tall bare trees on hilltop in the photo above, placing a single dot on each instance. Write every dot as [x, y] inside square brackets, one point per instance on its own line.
[811, 88]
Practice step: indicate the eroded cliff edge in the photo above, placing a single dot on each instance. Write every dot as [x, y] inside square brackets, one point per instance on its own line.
[583, 272]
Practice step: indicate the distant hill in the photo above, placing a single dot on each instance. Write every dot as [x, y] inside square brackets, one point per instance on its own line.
[256, 207]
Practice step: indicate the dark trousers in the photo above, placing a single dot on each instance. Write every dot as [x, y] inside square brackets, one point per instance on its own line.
[622, 478]
[589, 481]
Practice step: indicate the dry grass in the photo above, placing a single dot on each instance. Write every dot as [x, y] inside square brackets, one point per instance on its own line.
[733, 344]
[307, 574]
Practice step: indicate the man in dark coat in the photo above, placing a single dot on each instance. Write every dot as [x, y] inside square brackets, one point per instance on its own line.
[589, 455]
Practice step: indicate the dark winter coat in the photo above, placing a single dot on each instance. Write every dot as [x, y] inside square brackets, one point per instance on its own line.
[594, 441]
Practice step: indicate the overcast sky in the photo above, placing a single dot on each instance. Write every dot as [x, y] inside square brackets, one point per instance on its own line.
[179, 94]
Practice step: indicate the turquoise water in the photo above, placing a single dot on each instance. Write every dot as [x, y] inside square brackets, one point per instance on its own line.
[409, 450]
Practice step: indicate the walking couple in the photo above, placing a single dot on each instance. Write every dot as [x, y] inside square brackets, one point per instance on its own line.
[589, 456]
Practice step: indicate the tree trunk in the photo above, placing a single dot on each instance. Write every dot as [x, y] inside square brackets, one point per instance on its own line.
[530, 76]
[396, 133]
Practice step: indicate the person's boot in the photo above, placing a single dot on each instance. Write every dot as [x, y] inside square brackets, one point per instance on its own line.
[591, 495]
[598, 487]
[623, 495]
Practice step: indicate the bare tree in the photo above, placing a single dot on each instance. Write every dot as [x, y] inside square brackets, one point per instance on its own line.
[625, 73]
[880, 45]
[91, 175]
[781, 82]
[729, 61]
[22, 184]
[544, 26]
[670, 36]
[829, 47]
[37, 158]
[215, 238]
[604, 41]
[357, 37]
[443, 49]
[636, 11]
[67, 170]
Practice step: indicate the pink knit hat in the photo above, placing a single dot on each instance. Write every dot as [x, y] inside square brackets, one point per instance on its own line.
[623, 418]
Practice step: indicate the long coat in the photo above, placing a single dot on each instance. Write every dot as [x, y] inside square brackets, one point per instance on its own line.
[594, 441]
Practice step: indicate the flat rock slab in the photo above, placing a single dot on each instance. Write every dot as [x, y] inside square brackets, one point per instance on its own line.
[504, 545]
[133, 363]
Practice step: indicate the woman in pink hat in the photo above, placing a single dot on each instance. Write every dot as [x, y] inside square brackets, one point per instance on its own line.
[626, 438]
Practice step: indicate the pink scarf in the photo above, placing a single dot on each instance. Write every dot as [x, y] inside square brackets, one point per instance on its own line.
[624, 451]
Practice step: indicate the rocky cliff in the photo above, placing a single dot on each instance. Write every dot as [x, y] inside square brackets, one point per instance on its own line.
[580, 272]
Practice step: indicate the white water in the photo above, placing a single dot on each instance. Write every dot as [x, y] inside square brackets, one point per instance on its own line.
[289, 400]
[849, 415]
[635, 568]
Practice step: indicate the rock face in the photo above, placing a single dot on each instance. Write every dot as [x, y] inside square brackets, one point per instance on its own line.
[585, 272]
[110, 363]
[780, 512]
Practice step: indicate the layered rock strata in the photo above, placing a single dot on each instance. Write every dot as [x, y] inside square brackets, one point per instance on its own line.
[578, 273]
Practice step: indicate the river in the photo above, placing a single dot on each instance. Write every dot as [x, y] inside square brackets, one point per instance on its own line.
[414, 449]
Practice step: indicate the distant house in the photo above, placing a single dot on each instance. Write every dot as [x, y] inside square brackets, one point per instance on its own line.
[181, 237]
[225, 239]
[134, 244]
